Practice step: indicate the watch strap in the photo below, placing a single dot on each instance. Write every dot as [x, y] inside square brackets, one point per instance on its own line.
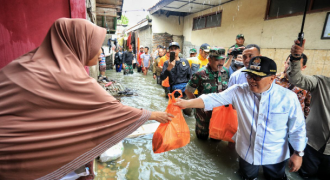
[299, 153]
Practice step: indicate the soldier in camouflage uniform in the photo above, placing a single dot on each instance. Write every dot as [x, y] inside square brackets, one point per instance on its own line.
[212, 78]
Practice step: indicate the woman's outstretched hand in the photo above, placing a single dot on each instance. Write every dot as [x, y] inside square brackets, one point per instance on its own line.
[162, 117]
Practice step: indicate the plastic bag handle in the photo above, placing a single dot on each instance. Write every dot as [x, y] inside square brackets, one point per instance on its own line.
[171, 95]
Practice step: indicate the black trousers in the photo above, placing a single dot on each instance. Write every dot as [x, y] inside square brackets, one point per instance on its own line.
[139, 69]
[271, 172]
[315, 164]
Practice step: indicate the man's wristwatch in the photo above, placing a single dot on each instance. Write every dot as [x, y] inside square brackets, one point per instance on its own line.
[299, 153]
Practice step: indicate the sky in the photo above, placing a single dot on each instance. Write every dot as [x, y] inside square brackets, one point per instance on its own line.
[134, 9]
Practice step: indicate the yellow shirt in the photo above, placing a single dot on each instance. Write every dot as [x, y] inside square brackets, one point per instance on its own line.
[198, 60]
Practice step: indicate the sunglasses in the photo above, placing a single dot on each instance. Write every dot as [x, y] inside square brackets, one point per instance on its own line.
[254, 77]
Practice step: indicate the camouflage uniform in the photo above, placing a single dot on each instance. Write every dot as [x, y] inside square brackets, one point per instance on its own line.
[128, 69]
[206, 81]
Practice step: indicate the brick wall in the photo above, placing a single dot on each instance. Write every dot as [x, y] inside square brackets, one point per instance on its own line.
[163, 39]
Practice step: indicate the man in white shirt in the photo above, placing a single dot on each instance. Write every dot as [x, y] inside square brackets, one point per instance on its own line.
[145, 59]
[267, 115]
[238, 77]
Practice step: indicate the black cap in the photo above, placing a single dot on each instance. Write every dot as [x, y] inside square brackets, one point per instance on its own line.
[205, 47]
[261, 66]
[174, 44]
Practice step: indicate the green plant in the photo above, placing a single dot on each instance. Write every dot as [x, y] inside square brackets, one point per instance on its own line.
[124, 20]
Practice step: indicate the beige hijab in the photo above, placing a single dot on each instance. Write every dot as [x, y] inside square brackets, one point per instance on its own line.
[54, 118]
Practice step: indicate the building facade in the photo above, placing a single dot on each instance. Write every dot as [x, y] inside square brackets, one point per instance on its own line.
[271, 25]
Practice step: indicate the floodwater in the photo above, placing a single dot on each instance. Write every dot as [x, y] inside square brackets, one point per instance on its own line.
[204, 160]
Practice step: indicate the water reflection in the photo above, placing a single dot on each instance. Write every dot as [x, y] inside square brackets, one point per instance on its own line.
[198, 160]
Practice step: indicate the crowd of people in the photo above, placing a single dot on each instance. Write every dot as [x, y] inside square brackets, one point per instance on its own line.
[273, 107]
[54, 121]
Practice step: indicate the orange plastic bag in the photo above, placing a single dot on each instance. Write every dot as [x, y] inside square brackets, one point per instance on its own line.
[166, 83]
[174, 134]
[223, 123]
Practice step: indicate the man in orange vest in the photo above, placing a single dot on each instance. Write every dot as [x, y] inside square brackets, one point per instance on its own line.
[163, 59]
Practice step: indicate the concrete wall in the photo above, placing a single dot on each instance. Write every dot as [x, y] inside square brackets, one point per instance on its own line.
[275, 37]
[145, 35]
[163, 24]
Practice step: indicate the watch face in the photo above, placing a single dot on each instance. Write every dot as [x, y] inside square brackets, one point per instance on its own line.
[301, 153]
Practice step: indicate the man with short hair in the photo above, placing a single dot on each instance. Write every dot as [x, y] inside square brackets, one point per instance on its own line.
[155, 54]
[128, 61]
[304, 96]
[139, 61]
[178, 70]
[193, 52]
[156, 69]
[163, 59]
[267, 115]
[316, 160]
[212, 78]
[145, 59]
[238, 77]
[237, 64]
[118, 60]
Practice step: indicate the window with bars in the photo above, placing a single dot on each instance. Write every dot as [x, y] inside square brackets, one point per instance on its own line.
[285, 8]
[207, 21]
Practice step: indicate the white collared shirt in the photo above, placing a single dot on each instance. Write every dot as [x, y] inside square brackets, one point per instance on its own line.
[238, 77]
[263, 125]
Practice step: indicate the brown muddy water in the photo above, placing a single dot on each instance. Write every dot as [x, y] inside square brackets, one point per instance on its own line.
[204, 160]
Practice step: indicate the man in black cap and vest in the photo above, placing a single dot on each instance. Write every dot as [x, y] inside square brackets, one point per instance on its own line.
[178, 70]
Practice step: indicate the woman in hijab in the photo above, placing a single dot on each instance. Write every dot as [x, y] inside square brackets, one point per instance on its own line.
[54, 118]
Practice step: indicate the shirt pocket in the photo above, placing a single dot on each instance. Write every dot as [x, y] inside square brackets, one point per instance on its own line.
[277, 121]
[183, 69]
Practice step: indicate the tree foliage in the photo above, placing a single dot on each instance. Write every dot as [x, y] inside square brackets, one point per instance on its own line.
[124, 20]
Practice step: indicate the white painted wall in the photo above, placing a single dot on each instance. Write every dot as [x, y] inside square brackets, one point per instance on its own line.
[247, 17]
[171, 25]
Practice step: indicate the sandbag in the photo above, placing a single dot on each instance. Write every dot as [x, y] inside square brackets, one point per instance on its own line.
[174, 134]
[223, 123]
[113, 153]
